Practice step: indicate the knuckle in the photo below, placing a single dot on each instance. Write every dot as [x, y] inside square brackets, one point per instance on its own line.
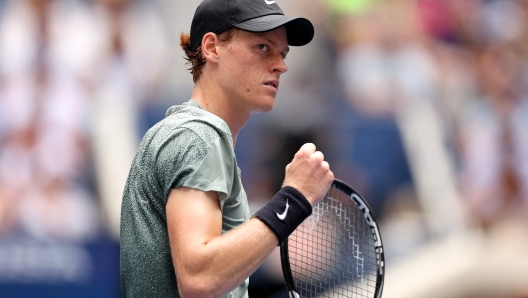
[308, 147]
[298, 155]
[303, 151]
[318, 156]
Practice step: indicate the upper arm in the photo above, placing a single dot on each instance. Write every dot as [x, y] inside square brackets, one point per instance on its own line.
[193, 219]
[208, 263]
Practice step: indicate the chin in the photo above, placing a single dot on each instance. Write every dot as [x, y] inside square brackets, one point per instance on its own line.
[268, 108]
[265, 106]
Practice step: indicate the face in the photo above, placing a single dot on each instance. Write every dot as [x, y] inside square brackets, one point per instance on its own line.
[250, 66]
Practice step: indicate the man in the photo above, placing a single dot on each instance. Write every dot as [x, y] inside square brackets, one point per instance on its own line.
[186, 230]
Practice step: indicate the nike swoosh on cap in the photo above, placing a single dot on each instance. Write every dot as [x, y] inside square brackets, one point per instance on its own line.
[269, 2]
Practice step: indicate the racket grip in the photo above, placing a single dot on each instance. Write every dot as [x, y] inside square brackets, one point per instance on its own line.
[294, 294]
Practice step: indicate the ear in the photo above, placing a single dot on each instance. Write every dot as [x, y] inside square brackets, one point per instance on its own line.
[210, 44]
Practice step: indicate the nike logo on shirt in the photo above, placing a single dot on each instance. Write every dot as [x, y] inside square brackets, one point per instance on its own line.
[269, 2]
[283, 215]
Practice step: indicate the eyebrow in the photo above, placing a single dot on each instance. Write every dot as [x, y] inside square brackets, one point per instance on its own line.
[285, 52]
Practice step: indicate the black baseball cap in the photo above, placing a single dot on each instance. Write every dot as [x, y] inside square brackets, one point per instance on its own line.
[249, 15]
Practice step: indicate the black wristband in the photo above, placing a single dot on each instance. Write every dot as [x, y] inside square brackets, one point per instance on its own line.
[285, 212]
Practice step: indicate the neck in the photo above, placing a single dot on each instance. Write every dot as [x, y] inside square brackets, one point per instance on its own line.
[215, 100]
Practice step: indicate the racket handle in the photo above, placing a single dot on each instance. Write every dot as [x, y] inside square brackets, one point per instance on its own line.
[293, 294]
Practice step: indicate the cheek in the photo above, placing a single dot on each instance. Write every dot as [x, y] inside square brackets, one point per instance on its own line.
[240, 71]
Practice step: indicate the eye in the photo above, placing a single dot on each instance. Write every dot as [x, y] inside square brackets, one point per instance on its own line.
[263, 47]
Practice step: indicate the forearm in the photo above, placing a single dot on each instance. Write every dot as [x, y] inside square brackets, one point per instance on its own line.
[209, 263]
[220, 265]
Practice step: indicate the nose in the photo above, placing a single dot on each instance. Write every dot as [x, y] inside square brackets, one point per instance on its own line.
[278, 65]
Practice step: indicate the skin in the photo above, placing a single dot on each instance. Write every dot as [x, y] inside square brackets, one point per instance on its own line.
[235, 79]
[240, 77]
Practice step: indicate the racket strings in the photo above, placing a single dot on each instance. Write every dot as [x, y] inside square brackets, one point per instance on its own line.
[332, 254]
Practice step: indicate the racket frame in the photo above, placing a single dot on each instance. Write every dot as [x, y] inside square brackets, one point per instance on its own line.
[365, 208]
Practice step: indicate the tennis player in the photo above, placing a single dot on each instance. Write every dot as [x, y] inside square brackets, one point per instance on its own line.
[186, 229]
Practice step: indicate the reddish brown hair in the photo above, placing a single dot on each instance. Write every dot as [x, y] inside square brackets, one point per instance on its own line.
[196, 59]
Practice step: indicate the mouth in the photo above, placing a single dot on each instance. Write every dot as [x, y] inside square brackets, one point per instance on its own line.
[272, 83]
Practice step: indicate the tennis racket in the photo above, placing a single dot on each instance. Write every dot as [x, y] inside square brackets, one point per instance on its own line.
[337, 251]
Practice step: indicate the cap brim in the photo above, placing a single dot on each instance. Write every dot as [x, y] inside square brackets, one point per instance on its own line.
[300, 30]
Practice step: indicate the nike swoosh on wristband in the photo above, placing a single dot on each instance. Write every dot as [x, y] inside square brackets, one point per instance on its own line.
[283, 215]
[269, 2]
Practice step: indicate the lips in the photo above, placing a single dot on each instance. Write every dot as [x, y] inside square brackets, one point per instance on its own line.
[272, 83]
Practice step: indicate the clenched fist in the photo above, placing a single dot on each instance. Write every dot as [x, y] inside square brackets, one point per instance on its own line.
[309, 173]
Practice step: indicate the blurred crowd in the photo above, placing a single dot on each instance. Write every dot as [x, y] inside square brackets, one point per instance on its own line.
[468, 59]
[409, 98]
[60, 61]
[412, 101]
